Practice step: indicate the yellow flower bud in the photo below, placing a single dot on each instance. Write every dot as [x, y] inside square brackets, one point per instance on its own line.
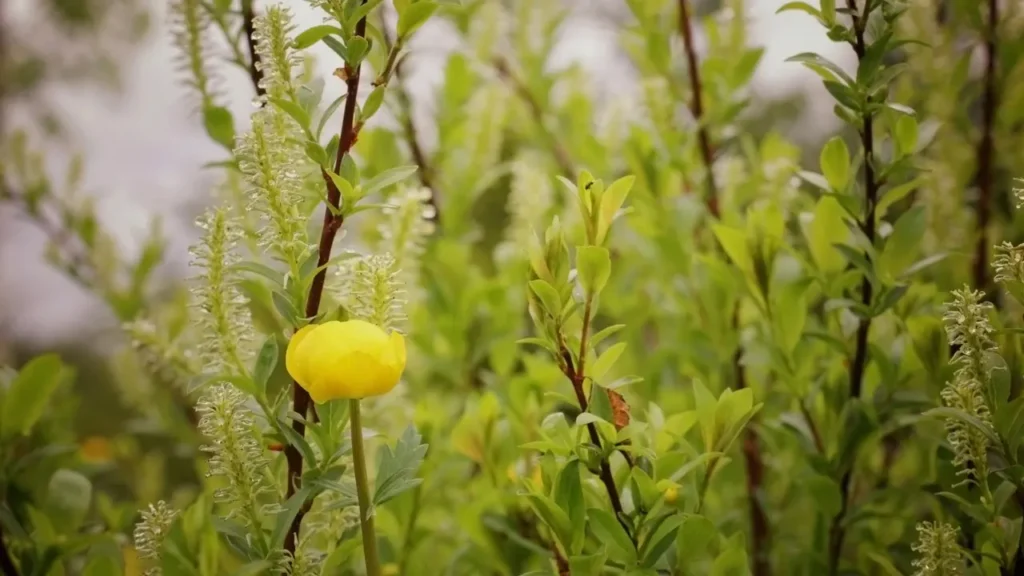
[352, 359]
[671, 495]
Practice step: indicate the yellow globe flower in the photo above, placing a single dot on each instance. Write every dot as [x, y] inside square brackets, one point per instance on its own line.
[353, 359]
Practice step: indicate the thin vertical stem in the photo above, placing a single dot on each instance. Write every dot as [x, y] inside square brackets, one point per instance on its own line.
[255, 74]
[6, 562]
[425, 172]
[332, 223]
[363, 491]
[576, 376]
[986, 152]
[697, 107]
[759, 526]
[858, 365]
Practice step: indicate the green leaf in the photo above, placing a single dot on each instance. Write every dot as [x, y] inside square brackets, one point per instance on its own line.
[592, 565]
[621, 382]
[266, 361]
[902, 245]
[646, 491]
[261, 270]
[314, 34]
[357, 49]
[287, 515]
[285, 308]
[397, 469]
[372, 103]
[568, 494]
[827, 229]
[594, 265]
[824, 67]
[606, 360]
[893, 195]
[335, 45]
[732, 562]
[316, 153]
[901, 108]
[30, 392]
[835, 163]
[414, 16]
[905, 134]
[548, 296]
[696, 533]
[828, 499]
[609, 531]
[844, 95]
[604, 333]
[660, 541]
[104, 565]
[68, 497]
[295, 111]
[611, 201]
[800, 7]
[555, 518]
[734, 242]
[1009, 422]
[790, 315]
[328, 112]
[220, 125]
[388, 177]
[828, 11]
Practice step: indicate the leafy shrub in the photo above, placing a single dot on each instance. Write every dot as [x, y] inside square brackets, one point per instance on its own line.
[670, 349]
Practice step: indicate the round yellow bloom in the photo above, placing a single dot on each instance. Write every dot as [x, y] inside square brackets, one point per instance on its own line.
[671, 495]
[352, 359]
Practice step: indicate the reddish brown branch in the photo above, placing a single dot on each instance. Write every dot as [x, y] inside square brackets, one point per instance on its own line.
[332, 223]
[576, 375]
[986, 153]
[255, 74]
[697, 108]
[565, 163]
[759, 525]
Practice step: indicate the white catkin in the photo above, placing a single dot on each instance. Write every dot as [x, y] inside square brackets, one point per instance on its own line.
[220, 311]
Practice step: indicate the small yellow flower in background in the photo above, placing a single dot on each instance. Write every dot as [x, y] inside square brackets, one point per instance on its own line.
[353, 359]
[671, 495]
[96, 450]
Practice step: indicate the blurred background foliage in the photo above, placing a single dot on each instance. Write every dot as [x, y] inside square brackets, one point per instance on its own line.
[489, 131]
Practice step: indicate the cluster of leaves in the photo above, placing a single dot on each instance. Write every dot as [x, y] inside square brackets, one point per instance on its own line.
[719, 362]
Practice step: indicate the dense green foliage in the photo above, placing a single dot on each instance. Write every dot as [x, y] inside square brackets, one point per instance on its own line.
[643, 339]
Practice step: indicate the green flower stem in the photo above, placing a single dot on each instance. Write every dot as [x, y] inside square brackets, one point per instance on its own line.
[363, 491]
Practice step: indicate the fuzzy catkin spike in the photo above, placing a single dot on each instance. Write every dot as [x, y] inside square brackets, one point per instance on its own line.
[161, 356]
[189, 22]
[530, 204]
[223, 316]
[235, 453]
[1009, 263]
[970, 445]
[406, 230]
[968, 327]
[277, 58]
[938, 551]
[377, 293]
[271, 164]
[150, 532]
